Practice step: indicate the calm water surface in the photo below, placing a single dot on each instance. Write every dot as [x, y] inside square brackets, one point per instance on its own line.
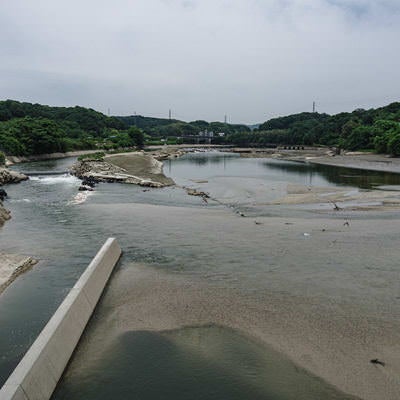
[48, 224]
[197, 363]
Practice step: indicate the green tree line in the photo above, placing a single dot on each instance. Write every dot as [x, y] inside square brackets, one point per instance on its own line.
[162, 127]
[30, 129]
[374, 129]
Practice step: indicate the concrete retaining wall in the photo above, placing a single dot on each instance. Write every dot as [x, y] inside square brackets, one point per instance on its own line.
[36, 376]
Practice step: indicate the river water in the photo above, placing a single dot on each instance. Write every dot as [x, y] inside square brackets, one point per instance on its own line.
[183, 236]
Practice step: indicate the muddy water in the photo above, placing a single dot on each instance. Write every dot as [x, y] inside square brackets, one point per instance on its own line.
[208, 362]
[271, 266]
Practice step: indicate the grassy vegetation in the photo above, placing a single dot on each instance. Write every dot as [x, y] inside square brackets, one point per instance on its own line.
[99, 156]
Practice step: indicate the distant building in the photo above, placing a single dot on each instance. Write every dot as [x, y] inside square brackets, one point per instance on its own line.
[206, 133]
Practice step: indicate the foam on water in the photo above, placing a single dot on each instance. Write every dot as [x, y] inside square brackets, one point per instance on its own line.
[20, 201]
[80, 198]
[52, 180]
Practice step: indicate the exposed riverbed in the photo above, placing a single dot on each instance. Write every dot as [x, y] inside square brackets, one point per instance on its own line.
[293, 277]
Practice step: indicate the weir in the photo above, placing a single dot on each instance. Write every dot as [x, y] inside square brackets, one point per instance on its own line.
[45, 173]
[37, 374]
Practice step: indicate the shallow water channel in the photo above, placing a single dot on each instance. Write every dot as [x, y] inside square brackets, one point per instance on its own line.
[198, 362]
[208, 362]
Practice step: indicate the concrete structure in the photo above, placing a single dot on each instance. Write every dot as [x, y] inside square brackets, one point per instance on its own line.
[36, 376]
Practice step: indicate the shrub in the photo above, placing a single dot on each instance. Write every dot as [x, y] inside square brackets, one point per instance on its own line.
[394, 145]
[99, 156]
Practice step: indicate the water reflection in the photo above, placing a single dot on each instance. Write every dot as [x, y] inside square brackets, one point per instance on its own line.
[363, 179]
[210, 159]
[216, 165]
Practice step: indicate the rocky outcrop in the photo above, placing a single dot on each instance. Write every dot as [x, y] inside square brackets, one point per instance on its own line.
[168, 154]
[194, 192]
[8, 176]
[103, 171]
[12, 265]
[136, 169]
[4, 214]
[3, 194]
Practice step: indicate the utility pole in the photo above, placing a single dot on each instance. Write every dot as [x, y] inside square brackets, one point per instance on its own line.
[170, 114]
[314, 107]
[225, 119]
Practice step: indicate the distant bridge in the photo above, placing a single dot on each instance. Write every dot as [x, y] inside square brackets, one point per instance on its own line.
[198, 139]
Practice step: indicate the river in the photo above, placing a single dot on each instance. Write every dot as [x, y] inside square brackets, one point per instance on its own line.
[238, 241]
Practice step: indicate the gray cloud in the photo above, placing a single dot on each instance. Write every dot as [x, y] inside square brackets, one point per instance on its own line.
[250, 59]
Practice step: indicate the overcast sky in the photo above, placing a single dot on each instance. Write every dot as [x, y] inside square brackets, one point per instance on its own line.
[248, 59]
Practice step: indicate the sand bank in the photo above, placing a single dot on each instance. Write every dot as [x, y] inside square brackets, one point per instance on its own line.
[373, 162]
[325, 156]
[135, 168]
[340, 197]
[143, 165]
[306, 296]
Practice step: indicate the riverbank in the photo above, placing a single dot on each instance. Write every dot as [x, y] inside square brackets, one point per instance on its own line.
[11, 160]
[5, 214]
[7, 177]
[365, 161]
[11, 266]
[160, 152]
[325, 156]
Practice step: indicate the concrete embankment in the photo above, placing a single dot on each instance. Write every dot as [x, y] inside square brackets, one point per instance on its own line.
[36, 376]
[50, 156]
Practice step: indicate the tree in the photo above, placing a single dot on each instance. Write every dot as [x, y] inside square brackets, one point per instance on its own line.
[136, 135]
[394, 145]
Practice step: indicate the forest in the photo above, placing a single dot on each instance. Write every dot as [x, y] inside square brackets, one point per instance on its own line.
[30, 129]
[159, 127]
[375, 129]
